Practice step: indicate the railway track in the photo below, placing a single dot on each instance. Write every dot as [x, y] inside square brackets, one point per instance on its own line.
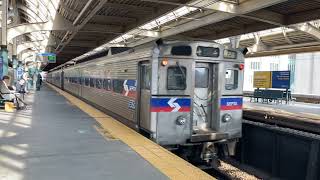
[281, 151]
[268, 158]
[227, 171]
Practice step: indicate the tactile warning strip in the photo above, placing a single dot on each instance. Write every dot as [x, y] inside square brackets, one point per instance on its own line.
[168, 163]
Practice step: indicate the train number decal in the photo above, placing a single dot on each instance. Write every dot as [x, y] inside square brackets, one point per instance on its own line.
[231, 103]
[132, 104]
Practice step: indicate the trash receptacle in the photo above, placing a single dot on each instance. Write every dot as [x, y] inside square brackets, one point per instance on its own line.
[9, 106]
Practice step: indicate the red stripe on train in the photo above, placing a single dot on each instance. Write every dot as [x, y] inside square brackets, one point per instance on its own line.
[169, 109]
[231, 107]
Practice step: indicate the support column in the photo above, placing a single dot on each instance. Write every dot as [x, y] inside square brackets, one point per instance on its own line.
[4, 51]
[15, 67]
[4, 63]
[235, 41]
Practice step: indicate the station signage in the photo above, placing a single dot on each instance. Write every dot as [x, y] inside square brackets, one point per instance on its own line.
[47, 57]
[271, 79]
[262, 79]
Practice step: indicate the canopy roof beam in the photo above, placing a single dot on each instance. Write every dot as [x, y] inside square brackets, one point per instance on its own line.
[243, 8]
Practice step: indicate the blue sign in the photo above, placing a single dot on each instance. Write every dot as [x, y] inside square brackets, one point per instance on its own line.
[46, 54]
[19, 72]
[281, 79]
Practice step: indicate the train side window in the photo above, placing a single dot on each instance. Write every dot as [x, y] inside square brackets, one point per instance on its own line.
[117, 85]
[86, 81]
[231, 79]
[176, 78]
[146, 77]
[80, 80]
[202, 77]
[92, 82]
[99, 83]
[107, 84]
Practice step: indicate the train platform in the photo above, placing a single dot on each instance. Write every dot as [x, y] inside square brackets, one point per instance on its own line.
[60, 137]
[299, 115]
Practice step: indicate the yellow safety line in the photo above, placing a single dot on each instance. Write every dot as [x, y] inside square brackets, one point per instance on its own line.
[168, 163]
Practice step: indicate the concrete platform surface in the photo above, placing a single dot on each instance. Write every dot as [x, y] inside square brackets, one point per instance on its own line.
[300, 109]
[54, 140]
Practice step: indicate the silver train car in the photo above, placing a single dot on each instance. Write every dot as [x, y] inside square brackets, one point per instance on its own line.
[184, 95]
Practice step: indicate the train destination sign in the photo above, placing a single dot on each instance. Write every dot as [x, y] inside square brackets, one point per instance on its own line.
[271, 79]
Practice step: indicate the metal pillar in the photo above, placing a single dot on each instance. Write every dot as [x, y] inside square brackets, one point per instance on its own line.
[15, 67]
[4, 51]
[234, 41]
[4, 62]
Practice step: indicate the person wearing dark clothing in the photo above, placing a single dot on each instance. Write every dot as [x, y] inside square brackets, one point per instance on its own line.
[39, 82]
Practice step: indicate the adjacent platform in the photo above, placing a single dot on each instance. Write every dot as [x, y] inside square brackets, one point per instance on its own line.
[298, 115]
[59, 138]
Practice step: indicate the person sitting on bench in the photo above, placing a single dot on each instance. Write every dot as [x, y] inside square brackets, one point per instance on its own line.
[8, 92]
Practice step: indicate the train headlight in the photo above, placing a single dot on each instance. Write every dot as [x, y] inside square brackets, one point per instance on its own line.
[181, 120]
[226, 118]
[164, 62]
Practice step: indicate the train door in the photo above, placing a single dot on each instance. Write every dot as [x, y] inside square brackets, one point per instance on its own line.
[80, 81]
[205, 96]
[62, 80]
[145, 95]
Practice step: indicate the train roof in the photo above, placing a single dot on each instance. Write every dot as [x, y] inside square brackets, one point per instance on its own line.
[183, 48]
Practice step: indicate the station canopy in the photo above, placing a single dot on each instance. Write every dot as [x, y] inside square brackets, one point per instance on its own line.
[74, 29]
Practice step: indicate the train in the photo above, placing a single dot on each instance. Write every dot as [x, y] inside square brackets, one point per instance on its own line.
[184, 95]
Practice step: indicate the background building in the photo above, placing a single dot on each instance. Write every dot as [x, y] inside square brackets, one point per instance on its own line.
[304, 67]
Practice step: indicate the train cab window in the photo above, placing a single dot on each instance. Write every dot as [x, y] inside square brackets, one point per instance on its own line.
[107, 84]
[176, 78]
[117, 85]
[231, 79]
[99, 84]
[203, 51]
[92, 82]
[86, 81]
[202, 77]
[181, 50]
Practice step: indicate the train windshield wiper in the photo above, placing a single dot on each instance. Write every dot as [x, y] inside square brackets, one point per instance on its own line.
[183, 74]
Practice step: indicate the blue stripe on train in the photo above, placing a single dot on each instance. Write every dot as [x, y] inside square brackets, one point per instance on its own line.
[163, 102]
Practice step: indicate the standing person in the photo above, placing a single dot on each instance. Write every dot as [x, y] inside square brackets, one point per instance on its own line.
[39, 82]
[25, 78]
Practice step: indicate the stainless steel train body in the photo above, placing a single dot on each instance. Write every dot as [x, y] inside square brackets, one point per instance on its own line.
[180, 93]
